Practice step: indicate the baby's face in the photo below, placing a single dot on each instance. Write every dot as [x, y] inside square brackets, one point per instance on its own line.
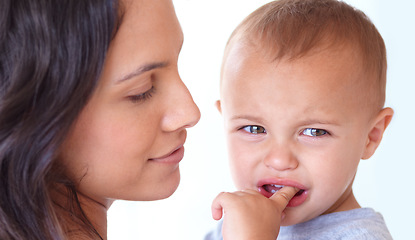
[298, 123]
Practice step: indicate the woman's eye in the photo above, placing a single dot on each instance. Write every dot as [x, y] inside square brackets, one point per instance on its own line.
[254, 129]
[142, 96]
[314, 132]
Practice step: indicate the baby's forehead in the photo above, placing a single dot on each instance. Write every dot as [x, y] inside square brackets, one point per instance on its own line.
[327, 68]
[331, 54]
[336, 55]
[279, 50]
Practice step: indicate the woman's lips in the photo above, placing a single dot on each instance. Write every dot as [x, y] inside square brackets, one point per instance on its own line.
[171, 158]
[269, 187]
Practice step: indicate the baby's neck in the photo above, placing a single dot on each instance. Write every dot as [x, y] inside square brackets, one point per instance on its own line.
[345, 203]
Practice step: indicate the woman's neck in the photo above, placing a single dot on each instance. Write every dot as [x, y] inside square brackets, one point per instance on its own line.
[96, 212]
[83, 220]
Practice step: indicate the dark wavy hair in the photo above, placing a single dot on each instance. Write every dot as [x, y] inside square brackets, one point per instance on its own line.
[51, 56]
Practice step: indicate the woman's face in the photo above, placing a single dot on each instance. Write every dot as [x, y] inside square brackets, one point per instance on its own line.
[128, 141]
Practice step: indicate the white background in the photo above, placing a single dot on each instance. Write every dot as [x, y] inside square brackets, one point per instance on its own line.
[384, 182]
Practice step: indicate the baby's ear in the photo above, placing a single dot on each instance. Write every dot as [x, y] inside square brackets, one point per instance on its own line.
[376, 132]
[217, 104]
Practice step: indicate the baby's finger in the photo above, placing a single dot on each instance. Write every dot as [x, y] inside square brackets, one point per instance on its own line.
[283, 196]
[217, 208]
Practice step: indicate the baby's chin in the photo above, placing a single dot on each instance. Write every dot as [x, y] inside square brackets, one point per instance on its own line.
[295, 216]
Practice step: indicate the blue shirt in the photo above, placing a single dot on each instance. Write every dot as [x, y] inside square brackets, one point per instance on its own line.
[361, 223]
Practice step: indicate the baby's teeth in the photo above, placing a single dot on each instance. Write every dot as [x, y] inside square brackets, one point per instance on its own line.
[275, 186]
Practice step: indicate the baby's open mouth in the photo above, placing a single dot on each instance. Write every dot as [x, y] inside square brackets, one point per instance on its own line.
[273, 188]
[299, 198]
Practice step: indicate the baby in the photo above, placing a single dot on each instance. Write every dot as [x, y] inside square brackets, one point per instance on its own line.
[302, 97]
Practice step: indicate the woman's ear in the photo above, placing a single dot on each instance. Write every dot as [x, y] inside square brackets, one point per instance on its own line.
[217, 104]
[375, 135]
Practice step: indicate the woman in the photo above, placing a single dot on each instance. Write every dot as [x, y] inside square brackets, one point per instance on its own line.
[92, 109]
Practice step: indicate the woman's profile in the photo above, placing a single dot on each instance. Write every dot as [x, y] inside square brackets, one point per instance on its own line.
[92, 109]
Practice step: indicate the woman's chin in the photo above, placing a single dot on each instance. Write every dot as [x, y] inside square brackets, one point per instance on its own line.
[164, 191]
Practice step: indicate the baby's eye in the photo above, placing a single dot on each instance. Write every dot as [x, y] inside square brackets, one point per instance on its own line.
[314, 132]
[254, 129]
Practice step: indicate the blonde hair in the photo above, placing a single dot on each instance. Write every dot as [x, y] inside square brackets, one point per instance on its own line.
[292, 28]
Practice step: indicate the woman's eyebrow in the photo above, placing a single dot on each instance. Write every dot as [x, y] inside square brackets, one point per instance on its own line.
[142, 69]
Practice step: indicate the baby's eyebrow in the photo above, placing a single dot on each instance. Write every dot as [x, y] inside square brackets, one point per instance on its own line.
[319, 121]
[305, 122]
[247, 117]
[142, 69]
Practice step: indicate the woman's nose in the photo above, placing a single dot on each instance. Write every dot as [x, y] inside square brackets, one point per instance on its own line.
[181, 110]
[280, 157]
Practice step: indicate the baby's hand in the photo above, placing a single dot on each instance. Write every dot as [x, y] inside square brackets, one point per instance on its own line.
[249, 215]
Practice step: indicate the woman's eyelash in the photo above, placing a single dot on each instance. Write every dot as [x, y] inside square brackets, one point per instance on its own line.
[142, 96]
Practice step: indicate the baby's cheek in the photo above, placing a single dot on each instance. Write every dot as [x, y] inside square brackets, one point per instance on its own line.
[243, 160]
[241, 174]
